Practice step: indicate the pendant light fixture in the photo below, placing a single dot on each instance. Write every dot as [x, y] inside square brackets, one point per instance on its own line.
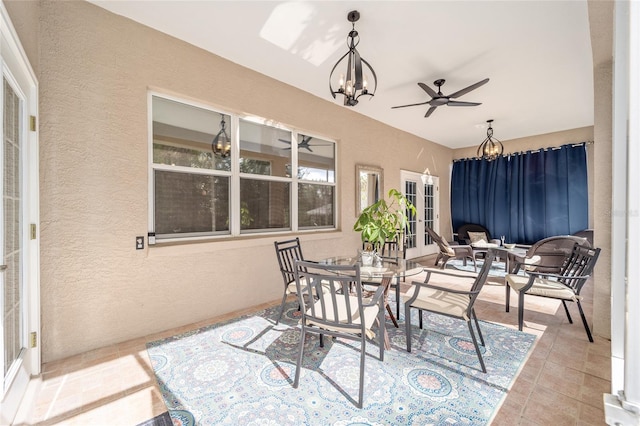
[490, 148]
[353, 82]
[221, 143]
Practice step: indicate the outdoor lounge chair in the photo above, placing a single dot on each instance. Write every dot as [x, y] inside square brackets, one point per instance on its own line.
[447, 252]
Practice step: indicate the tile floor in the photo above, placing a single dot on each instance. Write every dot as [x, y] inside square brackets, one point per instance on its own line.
[561, 383]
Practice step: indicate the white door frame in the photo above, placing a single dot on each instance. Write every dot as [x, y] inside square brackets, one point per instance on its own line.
[421, 180]
[17, 70]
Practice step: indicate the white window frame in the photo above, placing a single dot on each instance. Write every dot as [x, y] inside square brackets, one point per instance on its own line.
[235, 175]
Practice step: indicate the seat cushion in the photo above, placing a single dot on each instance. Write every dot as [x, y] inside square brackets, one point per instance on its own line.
[542, 287]
[440, 301]
[370, 314]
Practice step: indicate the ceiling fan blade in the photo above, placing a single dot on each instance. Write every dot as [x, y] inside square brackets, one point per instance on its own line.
[285, 141]
[308, 148]
[430, 112]
[402, 106]
[428, 89]
[458, 103]
[468, 89]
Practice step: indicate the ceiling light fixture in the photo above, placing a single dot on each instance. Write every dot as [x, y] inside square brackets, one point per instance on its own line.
[355, 84]
[221, 143]
[490, 148]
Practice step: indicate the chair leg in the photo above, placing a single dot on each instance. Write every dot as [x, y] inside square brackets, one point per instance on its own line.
[566, 310]
[382, 332]
[300, 353]
[362, 358]
[475, 343]
[520, 310]
[475, 265]
[507, 296]
[420, 318]
[398, 297]
[475, 318]
[284, 299]
[584, 321]
[407, 323]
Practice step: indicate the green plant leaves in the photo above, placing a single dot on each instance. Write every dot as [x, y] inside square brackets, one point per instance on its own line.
[384, 221]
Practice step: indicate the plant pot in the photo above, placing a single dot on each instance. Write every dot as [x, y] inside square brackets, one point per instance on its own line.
[367, 257]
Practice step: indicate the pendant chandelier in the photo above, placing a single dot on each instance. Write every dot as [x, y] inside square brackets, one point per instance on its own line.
[221, 143]
[355, 83]
[490, 148]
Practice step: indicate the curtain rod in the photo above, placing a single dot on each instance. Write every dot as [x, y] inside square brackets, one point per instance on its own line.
[533, 151]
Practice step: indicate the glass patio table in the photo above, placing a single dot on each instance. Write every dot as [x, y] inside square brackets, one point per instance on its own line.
[515, 254]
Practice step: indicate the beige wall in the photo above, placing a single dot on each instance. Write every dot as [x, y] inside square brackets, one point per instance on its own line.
[95, 69]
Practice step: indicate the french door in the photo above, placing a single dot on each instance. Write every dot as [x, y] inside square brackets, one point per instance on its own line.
[19, 265]
[421, 190]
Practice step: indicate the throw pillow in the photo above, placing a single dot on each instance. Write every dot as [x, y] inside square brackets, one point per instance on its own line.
[478, 238]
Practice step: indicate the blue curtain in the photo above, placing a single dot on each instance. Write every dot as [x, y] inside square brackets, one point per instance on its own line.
[525, 196]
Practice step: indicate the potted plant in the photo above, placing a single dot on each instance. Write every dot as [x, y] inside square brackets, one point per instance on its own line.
[384, 221]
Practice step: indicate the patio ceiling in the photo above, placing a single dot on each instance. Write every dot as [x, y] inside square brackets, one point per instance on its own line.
[537, 55]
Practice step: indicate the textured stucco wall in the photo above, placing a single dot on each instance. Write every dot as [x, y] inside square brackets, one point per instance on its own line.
[95, 71]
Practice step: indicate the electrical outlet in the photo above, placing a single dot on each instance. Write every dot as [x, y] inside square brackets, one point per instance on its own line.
[139, 243]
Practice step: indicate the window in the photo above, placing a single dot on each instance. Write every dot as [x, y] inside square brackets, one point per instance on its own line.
[251, 190]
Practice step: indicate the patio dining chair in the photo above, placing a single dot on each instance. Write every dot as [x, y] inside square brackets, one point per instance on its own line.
[450, 302]
[448, 252]
[339, 311]
[288, 252]
[565, 285]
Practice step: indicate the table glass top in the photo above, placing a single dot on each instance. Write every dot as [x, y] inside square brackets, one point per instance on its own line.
[396, 267]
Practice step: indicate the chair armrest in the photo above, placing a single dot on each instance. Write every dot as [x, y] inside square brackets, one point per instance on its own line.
[429, 271]
[447, 289]
[463, 248]
[558, 276]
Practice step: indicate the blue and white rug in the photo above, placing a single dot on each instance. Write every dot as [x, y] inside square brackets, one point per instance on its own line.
[497, 268]
[240, 372]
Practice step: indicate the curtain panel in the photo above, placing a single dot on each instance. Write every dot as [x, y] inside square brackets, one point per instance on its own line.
[525, 196]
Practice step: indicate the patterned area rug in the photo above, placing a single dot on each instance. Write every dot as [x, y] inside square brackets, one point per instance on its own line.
[496, 270]
[240, 372]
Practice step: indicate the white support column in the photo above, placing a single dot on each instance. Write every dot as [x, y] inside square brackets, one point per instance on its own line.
[622, 406]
